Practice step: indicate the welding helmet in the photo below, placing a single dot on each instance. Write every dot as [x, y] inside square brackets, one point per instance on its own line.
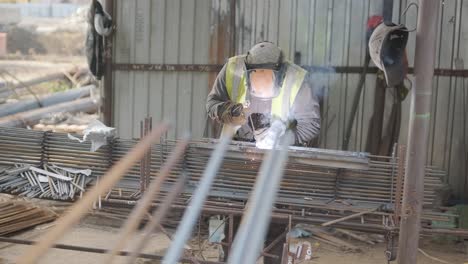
[265, 70]
[387, 46]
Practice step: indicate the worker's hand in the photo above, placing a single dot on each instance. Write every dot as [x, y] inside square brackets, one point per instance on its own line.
[233, 114]
[265, 137]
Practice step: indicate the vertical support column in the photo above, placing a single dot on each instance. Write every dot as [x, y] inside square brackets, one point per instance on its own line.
[418, 132]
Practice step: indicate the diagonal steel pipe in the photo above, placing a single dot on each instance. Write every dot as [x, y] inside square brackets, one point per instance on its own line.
[144, 204]
[196, 203]
[248, 242]
[156, 218]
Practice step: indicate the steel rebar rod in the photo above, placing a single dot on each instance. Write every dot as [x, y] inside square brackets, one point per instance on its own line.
[145, 202]
[156, 219]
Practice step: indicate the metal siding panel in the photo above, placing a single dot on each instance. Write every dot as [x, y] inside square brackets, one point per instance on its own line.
[171, 56]
[124, 89]
[248, 26]
[331, 135]
[259, 29]
[158, 24]
[320, 32]
[302, 21]
[142, 49]
[200, 80]
[355, 58]
[284, 33]
[443, 91]
[186, 51]
[273, 20]
[464, 108]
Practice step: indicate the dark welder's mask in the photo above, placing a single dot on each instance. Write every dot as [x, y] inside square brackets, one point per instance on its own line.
[263, 83]
[265, 70]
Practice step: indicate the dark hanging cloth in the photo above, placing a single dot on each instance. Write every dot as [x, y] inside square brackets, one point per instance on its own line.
[100, 26]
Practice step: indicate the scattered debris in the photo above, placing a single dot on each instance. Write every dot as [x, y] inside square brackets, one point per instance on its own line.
[17, 216]
[33, 116]
[50, 182]
[297, 232]
[97, 133]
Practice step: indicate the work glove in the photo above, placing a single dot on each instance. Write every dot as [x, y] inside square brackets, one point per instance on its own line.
[233, 114]
[265, 137]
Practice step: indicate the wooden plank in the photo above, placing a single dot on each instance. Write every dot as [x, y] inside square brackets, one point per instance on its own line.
[185, 82]
[141, 98]
[158, 24]
[171, 55]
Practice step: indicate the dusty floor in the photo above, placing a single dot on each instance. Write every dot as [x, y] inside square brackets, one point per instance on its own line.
[92, 235]
[82, 235]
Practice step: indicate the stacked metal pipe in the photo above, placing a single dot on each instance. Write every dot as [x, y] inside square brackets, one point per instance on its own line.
[51, 182]
[312, 177]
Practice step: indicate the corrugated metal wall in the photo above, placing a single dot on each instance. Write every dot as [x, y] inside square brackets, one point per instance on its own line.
[319, 32]
[161, 31]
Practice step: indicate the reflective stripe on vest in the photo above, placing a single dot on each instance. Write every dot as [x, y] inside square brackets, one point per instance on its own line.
[280, 105]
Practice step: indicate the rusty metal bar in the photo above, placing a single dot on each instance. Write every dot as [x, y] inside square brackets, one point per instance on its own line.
[95, 250]
[145, 202]
[418, 131]
[312, 69]
[399, 182]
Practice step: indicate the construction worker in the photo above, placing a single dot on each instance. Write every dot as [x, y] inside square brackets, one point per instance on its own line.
[255, 90]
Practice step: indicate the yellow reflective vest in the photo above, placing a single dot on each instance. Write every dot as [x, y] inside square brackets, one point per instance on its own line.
[281, 104]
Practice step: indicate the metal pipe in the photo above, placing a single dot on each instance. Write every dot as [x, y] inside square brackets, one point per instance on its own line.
[156, 219]
[193, 211]
[248, 242]
[418, 131]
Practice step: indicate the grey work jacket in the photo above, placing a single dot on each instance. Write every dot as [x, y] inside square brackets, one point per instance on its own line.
[305, 110]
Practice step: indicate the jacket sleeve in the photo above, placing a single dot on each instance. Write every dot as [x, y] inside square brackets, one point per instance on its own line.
[306, 111]
[218, 97]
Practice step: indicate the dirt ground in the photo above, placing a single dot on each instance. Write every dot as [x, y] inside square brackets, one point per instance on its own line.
[91, 234]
